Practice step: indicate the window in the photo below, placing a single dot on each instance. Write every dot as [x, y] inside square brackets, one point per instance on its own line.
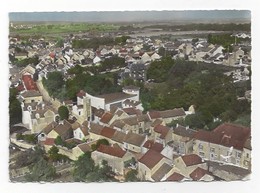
[247, 155]
[79, 112]
[238, 154]
[80, 135]
[212, 149]
[202, 154]
[200, 146]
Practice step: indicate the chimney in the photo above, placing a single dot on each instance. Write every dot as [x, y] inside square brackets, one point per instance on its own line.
[187, 127]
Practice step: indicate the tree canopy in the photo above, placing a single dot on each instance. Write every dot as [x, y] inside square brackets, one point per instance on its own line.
[54, 84]
[205, 86]
[63, 112]
[15, 110]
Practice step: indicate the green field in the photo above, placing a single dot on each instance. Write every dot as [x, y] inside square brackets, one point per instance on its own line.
[41, 29]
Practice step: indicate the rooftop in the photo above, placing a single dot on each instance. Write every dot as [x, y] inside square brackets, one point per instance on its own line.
[198, 173]
[226, 134]
[151, 158]
[113, 97]
[29, 82]
[134, 139]
[175, 177]
[113, 151]
[191, 159]
[160, 173]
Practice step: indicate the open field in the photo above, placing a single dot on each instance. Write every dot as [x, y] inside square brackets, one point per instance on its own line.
[44, 29]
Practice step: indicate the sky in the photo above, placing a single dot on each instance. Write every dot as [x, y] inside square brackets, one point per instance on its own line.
[131, 16]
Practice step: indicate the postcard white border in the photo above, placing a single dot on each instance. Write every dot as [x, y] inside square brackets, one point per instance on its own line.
[119, 5]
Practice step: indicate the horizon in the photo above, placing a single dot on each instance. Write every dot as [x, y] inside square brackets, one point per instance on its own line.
[133, 16]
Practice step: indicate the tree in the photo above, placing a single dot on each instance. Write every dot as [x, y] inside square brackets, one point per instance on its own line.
[83, 166]
[63, 112]
[15, 110]
[41, 171]
[54, 83]
[101, 173]
[53, 153]
[131, 176]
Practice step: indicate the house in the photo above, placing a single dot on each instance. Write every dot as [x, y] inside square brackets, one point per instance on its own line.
[106, 119]
[228, 172]
[107, 133]
[160, 174]
[183, 139]
[145, 58]
[62, 129]
[29, 83]
[134, 142]
[200, 174]
[226, 144]
[94, 131]
[118, 138]
[114, 155]
[37, 115]
[176, 177]
[162, 134]
[169, 115]
[97, 60]
[186, 164]
[31, 96]
[149, 163]
[111, 100]
[150, 144]
[80, 149]
[80, 132]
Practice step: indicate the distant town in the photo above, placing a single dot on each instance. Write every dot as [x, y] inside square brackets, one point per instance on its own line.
[120, 102]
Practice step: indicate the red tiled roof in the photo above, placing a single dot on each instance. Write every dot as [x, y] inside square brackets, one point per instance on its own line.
[198, 173]
[226, 134]
[132, 111]
[108, 132]
[113, 151]
[175, 177]
[149, 144]
[29, 83]
[191, 159]
[154, 114]
[233, 135]
[151, 158]
[49, 141]
[106, 117]
[163, 130]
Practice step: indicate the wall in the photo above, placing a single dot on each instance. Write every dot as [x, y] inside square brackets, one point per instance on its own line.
[116, 163]
[96, 102]
[30, 99]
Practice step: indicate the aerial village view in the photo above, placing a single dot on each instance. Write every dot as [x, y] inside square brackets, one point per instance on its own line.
[130, 96]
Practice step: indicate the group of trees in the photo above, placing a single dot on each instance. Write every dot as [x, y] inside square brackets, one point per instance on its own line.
[15, 110]
[95, 85]
[40, 168]
[213, 94]
[85, 170]
[26, 61]
[205, 26]
[226, 40]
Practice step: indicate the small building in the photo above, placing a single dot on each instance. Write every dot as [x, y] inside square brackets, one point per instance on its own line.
[114, 155]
